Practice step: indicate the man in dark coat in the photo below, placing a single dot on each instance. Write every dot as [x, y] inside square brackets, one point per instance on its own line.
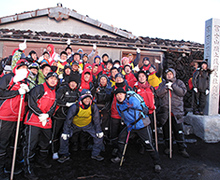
[177, 90]
[201, 88]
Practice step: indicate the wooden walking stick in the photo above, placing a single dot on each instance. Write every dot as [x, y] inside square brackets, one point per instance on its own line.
[170, 123]
[16, 138]
[155, 127]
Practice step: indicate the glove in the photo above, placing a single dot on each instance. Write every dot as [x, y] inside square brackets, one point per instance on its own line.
[23, 89]
[138, 50]
[64, 136]
[69, 104]
[195, 89]
[40, 59]
[94, 47]
[60, 76]
[100, 135]
[157, 61]
[43, 118]
[206, 92]
[168, 85]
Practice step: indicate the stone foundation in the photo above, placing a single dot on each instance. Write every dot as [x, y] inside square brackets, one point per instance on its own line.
[205, 127]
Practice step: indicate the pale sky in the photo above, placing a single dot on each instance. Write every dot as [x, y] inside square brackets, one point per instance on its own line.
[166, 19]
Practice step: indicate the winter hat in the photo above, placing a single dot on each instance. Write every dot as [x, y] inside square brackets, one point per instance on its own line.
[146, 59]
[105, 55]
[21, 62]
[128, 66]
[119, 90]
[75, 63]
[74, 78]
[50, 74]
[7, 68]
[84, 94]
[171, 70]
[23, 46]
[103, 75]
[123, 59]
[80, 50]
[97, 57]
[153, 66]
[139, 72]
[68, 47]
[119, 75]
[204, 62]
[114, 68]
[67, 66]
[33, 65]
[129, 54]
[85, 55]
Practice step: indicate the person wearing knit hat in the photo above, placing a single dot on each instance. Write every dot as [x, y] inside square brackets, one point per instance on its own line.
[67, 95]
[103, 98]
[200, 81]
[136, 120]
[154, 77]
[82, 116]
[18, 54]
[13, 86]
[33, 75]
[42, 103]
[84, 62]
[7, 69]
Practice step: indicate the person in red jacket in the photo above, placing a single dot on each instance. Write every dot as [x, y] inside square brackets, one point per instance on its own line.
[143, 88]
[42, 104]
[129, 76]
[12, 86]
[146, 65]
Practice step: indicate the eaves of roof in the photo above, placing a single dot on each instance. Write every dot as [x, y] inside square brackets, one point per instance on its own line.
[60, 13]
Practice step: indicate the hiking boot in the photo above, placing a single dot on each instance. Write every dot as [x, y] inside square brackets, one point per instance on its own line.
[167, 151]
[63, 159]
[98, 158]
[184, 153]
[31, 176]
[157, 168]
[116, 160]
[55, 156]
[43, 164]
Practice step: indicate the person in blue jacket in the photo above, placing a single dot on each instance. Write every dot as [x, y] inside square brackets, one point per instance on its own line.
[134, 115]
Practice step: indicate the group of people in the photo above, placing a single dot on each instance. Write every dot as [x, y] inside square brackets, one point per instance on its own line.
[68, 103]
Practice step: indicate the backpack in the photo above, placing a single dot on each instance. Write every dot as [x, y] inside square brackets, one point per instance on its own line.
[140, 99]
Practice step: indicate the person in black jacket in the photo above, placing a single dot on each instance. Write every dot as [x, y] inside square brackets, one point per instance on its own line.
[178, 90]
[201, 88]
[103, 98]
[67, 95]
[82, 116]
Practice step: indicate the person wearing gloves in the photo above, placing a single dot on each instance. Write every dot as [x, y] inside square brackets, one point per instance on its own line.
[42, 104]
[67, 95]
[177, 90]
[32, 57]
[12, 87]
[82, 116]
[201, 88]
[129, 76]
[67, 73]
[19, 54]
[103, 98]
[80, 52]
[134, 115]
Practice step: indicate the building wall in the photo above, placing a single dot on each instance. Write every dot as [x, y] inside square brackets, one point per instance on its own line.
[47, 24]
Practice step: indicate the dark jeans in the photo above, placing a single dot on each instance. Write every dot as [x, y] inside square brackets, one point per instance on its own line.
[178, 134]
[199, 101]
[146, 136]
